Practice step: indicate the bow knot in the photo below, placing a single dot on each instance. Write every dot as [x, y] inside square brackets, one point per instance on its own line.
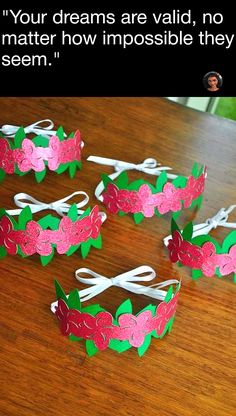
[99, 283]
[59, 206]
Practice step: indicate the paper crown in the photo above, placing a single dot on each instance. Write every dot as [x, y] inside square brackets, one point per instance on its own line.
[78, 229]
[23, 155]
[143, 199]
[193, 247]
[100, 329]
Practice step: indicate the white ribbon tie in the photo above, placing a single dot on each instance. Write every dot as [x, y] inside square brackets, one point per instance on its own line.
[36, 128]
[23, 200]
[99, 283]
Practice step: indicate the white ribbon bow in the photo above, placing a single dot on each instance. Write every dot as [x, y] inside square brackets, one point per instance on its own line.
[150, 166]
[220, 219]
[59, 206]
[100, 283]
[36, 128]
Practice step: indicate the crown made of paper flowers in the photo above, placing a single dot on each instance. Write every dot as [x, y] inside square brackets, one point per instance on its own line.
[99, 328]
[77, 229]
[141, 198]
[49, 148]
[193, 247]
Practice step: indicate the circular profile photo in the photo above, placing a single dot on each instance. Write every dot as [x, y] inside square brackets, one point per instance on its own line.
[212, 81]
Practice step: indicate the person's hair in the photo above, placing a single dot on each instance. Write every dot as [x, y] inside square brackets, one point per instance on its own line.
[210, 75]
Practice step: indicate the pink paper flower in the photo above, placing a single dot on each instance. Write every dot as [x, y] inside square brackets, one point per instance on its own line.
[35, 240]
[193, 189]
[227, 262]
[6, 157]
[134, 328]
[7, 235]
[168, 199]
[164, 313]
[210, 259]
[78, 142]
[147, 200]
[30, 157]
[54, 153]
[70, 149]
[95, 221]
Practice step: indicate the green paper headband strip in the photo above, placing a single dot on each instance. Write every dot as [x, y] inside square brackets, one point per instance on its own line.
[77, 229]
[143, 199]
[193, 247]
[99, 328]
[48, 149]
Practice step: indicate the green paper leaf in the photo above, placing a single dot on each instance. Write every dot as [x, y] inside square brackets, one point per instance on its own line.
[73, 301]
[60, 294]
[19, 137]
[49, 221]
[125, 307]
[143, 348]
[72, 169]
[72, 250]
[196, 274]
[176, 214]
[229, 241]
[78, 164]
[174, 226]
[71, 135]
[18, 172]
[170, 324]
[180, 182]
[97, 243]
[74, 338]
[149, 307]
[2, 212]
[85, 248]
[161, 181]
[138, 217]
[234, 278]
[60, 133]
[106, 180]
[86, 212]
[119, 346]
[169, 294]
[41, 141]
[188, 232]
[46, 259]
[122, 180]
[135, 185]
[121, 213]
[157, 213]
[24, 217]
[2, 175]
[92, 309]
[154, 334]
[201, 239]
[90, 347]
[73, 213]
[39, 176]
[195, 170]
[62, 168]
[3, 252]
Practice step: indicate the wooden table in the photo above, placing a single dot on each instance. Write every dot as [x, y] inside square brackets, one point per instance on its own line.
[189, 372]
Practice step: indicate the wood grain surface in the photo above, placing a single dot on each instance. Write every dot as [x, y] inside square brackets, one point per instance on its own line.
[189, 372]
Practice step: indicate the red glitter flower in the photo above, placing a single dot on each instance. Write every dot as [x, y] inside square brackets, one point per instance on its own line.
[7, 235]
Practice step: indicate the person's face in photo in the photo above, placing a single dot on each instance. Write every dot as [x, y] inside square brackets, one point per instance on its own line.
[213, 83]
